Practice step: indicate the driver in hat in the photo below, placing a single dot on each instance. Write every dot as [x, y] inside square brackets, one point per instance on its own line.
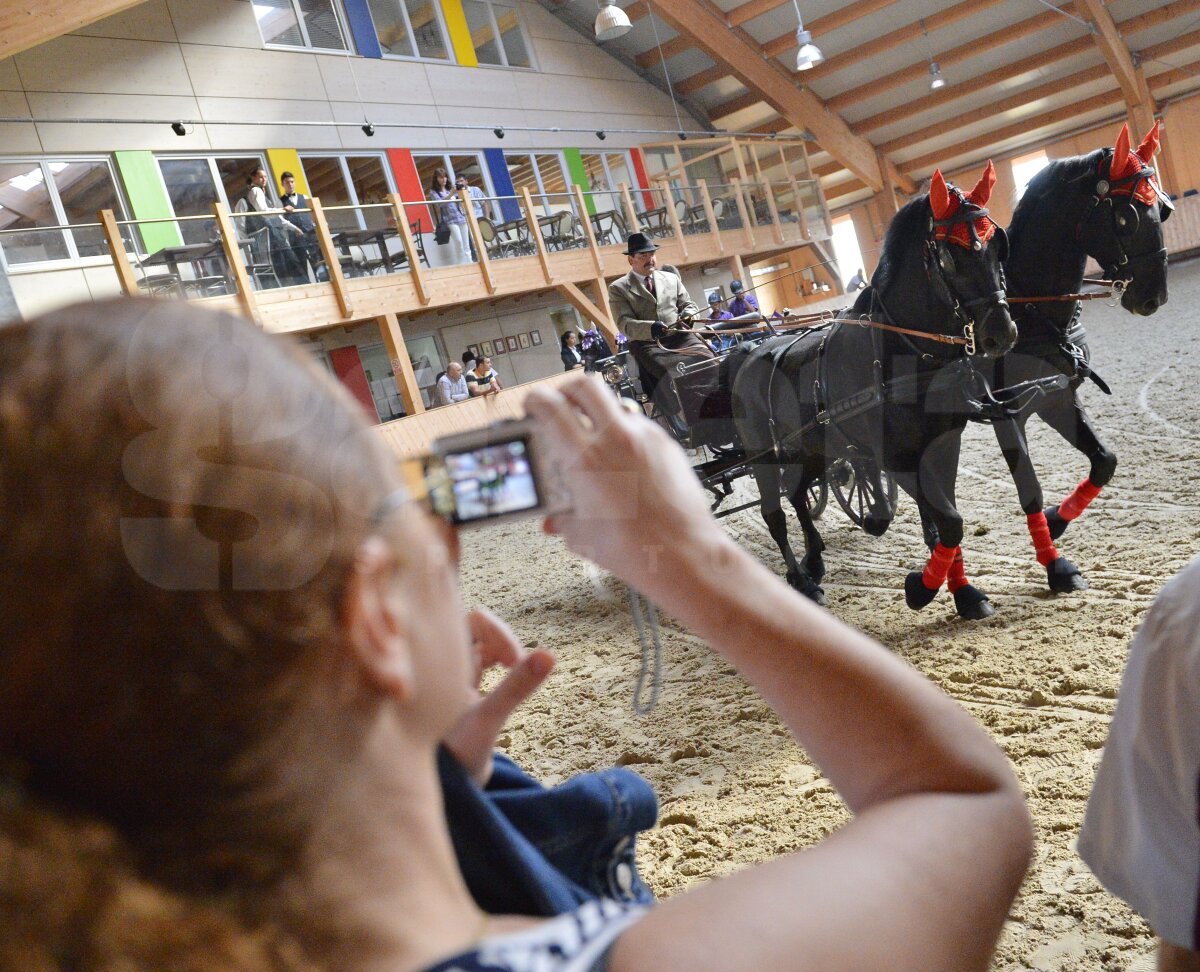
[654, 309]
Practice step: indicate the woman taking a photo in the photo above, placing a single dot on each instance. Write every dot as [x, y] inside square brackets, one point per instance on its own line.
[450, 214]
[238, 647]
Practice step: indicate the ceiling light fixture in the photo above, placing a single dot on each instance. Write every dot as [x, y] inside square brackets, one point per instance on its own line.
[809, 55]
[936, 79]
[611, 22]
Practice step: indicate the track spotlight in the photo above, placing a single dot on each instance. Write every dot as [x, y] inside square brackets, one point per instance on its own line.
[601, 135]
[936, 80]
[682, 136]
[498, 131]
[611, 22]
[179, 129]
[368, 129]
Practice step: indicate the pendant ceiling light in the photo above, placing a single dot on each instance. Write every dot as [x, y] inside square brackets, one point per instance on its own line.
[809, 55]
[936, 78]
[611, 22]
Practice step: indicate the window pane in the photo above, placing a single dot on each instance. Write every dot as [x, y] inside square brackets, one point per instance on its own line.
[510, 35]
[553, 178]
[325, 179]
[390, 27]
[235, 175]
[371, 186]
[321, 20]
[192, 192]
[277, 22]
[426, 164]
[479, 22]
[25, 203]
[84, 188]
[427, 28]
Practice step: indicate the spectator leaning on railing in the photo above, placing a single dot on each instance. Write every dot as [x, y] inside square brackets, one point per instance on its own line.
[452, 386]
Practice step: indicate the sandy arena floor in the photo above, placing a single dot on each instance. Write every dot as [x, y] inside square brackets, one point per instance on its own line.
[1042, 674]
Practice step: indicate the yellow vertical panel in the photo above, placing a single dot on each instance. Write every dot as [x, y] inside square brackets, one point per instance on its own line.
[460, 34]
[287, 160]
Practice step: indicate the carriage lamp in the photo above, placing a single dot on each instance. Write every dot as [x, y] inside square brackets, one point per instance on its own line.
[936, 80]
[611, 22]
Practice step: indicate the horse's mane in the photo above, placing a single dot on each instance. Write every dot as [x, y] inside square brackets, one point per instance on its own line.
[1055, 174]
[907, 227]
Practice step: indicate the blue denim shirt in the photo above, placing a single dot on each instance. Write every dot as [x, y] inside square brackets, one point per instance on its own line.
[529, 849]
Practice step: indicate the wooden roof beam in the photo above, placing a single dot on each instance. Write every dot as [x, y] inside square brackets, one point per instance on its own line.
[748, 11]
[701, 79]
[1139, 102]
[25, 24]
[676, 45]
[704, 23]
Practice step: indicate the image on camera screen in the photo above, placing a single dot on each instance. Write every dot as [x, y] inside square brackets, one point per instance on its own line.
[492, 481]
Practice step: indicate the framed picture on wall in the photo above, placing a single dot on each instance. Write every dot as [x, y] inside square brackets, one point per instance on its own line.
[485, 348]
[535, 338]
[473, 350]
[512, 344]
[523, 339]
[498, 345]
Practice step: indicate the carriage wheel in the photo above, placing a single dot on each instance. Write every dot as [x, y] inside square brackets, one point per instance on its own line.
[816, 497]
[854, 488]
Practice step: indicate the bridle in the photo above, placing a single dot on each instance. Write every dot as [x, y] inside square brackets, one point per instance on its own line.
[1124, 220]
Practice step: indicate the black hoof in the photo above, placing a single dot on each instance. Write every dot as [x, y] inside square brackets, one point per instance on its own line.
[806, 586]
[972, 604]
[1064, 577]
[1058, 526]
[876, 526]
[916, 594]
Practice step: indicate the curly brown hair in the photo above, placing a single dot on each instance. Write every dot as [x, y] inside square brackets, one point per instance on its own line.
[181, 500]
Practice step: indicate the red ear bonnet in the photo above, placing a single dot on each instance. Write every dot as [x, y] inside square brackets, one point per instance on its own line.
[1126, 163]
[945, 204]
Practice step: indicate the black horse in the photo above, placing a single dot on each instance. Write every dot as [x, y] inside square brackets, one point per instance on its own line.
[898, 399]
[1105, 205]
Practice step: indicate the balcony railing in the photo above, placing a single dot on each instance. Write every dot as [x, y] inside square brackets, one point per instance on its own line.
[271, 269]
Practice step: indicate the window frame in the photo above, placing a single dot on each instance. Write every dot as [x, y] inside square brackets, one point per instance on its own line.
[343, 157]
[450, 57]
[73, 259]
[343, 25]
[533, 63]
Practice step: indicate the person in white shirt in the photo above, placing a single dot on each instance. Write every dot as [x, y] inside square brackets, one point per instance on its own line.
[1141, 833]
[282, 234]
[452, 386]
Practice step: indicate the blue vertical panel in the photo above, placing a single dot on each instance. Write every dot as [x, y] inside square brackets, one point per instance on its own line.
[502, 183]
[362, 28]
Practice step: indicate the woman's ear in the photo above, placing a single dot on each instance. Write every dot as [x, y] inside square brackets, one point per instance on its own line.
[375, 629]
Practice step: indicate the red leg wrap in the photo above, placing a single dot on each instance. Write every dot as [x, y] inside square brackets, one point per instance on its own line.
[957, 577]
[1042, 544]
[1078, 501]
[938, 567]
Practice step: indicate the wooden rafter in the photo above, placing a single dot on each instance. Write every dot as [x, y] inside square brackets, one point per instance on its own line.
[25, 24]
[704, 24]
[676, 45]
[1139, 102]
[748, 11]
[694, 82]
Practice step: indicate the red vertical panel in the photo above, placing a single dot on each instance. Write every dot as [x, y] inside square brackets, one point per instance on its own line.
[348, 366]
[639, 169]
[404, 169]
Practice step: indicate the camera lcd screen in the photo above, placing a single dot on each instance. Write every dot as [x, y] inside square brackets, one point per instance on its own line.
[487, 482]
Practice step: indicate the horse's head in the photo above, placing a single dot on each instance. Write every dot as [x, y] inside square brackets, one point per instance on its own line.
[964, 258]
[1121, 226]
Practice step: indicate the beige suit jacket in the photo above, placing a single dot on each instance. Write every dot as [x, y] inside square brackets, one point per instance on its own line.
[637, 310]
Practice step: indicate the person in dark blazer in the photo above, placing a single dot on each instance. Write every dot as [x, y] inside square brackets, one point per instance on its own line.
[298, 211]
[654, 309]
[572, 354]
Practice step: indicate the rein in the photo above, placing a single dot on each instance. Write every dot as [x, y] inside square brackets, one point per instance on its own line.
[806, 321]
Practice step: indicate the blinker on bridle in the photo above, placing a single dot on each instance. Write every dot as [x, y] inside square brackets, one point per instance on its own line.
[1125, 217]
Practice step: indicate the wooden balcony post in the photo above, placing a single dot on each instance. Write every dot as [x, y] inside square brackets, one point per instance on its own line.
[535, 234]
[773, 209]
[631, 216]
[410, 247]
[669, 205]
[586, 220]
[485, 264]
[740, 199]
[710, 215]
[116, 249]
[237, 266]
[406, 380]
[805, 232]
[333, 263]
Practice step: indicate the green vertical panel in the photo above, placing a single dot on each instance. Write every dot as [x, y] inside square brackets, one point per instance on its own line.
[148, 197]
[579, 175]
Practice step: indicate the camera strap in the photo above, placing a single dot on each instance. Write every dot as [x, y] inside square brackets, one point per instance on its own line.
[645, 615]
